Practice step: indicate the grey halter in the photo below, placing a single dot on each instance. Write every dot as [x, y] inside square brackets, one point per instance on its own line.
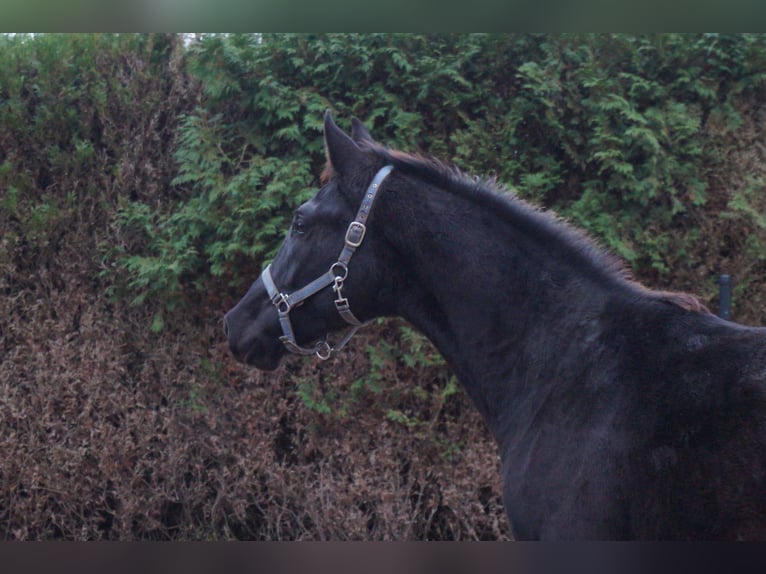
[334, 276]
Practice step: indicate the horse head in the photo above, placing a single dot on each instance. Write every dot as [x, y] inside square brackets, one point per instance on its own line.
[328, 271]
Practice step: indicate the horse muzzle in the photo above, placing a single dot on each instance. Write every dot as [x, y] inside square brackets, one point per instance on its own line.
[251, 328]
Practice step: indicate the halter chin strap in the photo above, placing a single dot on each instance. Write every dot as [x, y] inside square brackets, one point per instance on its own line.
[334, 276]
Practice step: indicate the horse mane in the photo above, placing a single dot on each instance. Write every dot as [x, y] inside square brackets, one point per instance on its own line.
[544, 226]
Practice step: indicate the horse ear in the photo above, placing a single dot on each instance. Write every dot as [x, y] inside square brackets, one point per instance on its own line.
[343, 154]
[359, 133]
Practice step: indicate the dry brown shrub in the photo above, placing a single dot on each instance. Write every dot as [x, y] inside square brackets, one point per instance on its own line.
[113, 433]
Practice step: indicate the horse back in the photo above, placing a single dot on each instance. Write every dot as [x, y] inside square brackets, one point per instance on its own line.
[699, 404]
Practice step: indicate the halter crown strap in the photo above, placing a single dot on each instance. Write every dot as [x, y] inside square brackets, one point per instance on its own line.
[357, 228]
[335, 276]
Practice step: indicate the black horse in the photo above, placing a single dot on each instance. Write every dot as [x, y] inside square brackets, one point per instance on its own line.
[620, 412]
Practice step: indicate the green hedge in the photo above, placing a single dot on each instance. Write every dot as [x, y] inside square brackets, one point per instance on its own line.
[619, 133]
[86, 122]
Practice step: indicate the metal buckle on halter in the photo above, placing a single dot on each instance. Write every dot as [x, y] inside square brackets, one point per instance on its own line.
[355, 233]
[281, 302]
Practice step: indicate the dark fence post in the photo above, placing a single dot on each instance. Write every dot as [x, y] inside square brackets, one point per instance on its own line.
[724, 297]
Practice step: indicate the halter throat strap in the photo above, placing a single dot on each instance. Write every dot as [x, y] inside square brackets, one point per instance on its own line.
[335, 276]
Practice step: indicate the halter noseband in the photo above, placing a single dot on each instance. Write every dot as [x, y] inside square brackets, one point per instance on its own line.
[334, 276]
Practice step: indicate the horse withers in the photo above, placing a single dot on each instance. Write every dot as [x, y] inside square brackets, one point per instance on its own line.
[619, 412]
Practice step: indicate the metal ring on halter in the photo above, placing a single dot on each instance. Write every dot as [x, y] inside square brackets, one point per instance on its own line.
[323, 351]
[343, 267]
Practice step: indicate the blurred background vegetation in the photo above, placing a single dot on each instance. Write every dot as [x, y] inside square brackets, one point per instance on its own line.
[145, 179]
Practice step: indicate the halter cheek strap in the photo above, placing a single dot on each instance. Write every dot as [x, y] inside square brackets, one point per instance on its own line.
[334, 276]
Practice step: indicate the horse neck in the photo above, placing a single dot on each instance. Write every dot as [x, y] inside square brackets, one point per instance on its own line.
[496, 301]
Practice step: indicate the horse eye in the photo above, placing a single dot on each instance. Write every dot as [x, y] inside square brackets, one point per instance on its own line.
[299, 226]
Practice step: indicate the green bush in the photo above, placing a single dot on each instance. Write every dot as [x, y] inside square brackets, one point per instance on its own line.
[85, 120]
[612, 131]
